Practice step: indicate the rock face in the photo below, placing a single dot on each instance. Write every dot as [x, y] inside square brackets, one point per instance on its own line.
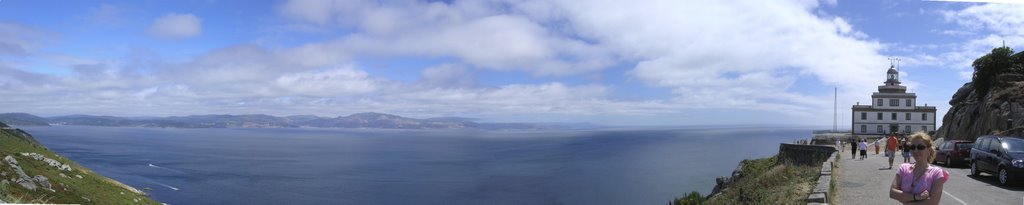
[973, 114]
[723, 182]
[23, 179]
[51, 162]
[43, 181]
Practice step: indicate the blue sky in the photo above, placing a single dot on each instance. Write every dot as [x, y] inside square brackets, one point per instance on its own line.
[607, 62]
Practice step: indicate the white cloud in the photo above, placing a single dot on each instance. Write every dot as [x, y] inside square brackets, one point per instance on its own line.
[332, 82]
[765, 45]
[984, 27]
[176, 26]
[737, 54]
[478, 33]
[1003, 19]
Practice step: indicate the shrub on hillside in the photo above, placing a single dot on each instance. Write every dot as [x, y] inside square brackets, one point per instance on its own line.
[986, 68]
[693, 198]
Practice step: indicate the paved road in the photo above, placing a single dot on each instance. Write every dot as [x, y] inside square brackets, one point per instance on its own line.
[866, 182]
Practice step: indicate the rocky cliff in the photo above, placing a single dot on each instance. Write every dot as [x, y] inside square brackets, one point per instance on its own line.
[999, 111]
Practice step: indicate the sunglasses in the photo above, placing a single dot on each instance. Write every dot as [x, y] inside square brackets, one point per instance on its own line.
[917, 147]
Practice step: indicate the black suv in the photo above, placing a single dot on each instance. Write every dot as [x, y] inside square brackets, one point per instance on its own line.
[999, 155]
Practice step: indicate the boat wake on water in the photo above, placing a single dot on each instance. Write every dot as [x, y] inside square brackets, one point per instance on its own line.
[168, 186]
[162, 184]
[165, 168]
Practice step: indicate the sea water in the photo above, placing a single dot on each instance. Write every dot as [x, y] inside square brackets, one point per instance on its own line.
[372, 166]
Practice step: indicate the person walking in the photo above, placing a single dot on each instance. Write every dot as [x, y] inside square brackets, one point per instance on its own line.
[839, 144]
[853, 148]
[919, 183]
[890, 148]
[863, 149]
[906, 151]
[876, 145]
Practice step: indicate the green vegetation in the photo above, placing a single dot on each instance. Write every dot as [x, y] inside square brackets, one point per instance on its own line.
[832, 192]
[764, 181]
[91, 188]
[690, 199]
[988, 67]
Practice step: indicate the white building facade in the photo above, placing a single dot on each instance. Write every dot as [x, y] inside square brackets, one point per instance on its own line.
[892, 110]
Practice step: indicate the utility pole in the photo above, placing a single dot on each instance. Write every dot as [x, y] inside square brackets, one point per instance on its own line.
[835, 109]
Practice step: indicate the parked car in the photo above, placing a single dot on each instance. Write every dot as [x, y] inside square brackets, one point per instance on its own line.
[998, 155]
[953, 152]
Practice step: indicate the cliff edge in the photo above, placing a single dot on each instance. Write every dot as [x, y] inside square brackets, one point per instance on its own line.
[993, 103]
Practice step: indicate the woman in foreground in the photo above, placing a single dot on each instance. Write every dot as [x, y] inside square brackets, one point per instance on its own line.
[919, 183]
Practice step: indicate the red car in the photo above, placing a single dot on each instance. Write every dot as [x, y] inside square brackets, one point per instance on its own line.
[953, 152]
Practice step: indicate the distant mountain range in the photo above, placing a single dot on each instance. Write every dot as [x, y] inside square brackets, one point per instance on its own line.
[358, 120]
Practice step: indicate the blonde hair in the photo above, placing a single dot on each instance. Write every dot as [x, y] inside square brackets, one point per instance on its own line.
[927, 141]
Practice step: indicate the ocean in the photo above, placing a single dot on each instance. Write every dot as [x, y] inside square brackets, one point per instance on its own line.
[373, 166]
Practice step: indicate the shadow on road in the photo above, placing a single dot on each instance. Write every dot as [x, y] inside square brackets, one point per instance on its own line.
[991, 180]
[985, 177]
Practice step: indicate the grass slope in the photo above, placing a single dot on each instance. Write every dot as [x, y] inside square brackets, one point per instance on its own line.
[770, 183]
[92, 188]
[764, 182]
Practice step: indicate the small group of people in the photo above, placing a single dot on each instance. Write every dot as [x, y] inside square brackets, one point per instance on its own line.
[855, 145]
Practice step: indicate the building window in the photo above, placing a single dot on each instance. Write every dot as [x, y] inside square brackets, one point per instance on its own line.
[879, 103]
[908, 103]
[864, 116]
[863, 128]
[879, 116]
[894, 102]
[907, 129]
[908, 116]
[879, 129]
[924, 116]
[924, 128]
[894, 116]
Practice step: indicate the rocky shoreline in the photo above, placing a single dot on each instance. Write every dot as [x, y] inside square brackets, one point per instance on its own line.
[723, 182]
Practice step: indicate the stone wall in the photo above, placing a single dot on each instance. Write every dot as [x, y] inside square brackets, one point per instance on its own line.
[796, 154]
[812, 155]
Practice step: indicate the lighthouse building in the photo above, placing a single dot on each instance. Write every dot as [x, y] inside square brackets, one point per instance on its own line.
[892, 110]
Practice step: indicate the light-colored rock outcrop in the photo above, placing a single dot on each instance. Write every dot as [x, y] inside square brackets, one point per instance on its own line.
[52, 162]
[23, 179]
[43, 181]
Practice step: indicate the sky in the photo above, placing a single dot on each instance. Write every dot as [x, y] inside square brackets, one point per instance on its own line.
[633, 63]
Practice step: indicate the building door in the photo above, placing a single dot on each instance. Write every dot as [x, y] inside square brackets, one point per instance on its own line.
[894, 128]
